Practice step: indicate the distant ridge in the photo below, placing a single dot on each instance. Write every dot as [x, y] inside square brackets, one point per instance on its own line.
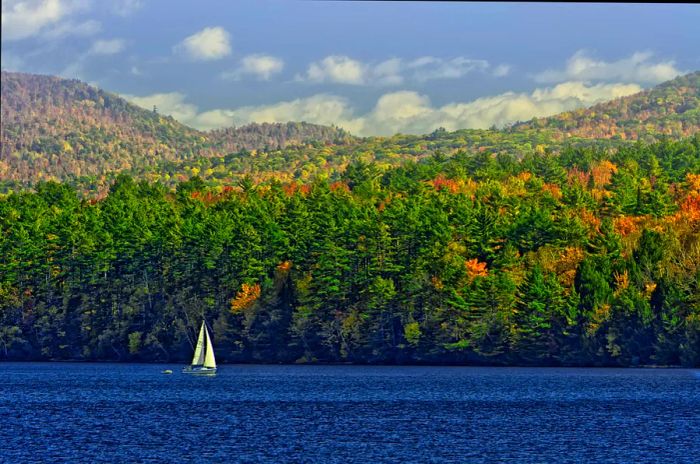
[65, 129]
[671, 108]
[276, 135]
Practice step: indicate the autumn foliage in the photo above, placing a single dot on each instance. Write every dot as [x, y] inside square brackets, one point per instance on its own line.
[690, 205]
[626, 225]
[246, 297]
[602, 173]
[442, 183]
[475, 268]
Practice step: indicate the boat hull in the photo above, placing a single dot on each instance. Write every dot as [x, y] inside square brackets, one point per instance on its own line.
[199, 370]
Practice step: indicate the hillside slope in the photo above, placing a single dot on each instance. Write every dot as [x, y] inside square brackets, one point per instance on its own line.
[53, 127]
[671, 108]
[66, 129]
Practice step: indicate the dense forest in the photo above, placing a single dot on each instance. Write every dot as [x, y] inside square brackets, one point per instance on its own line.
[586, 256]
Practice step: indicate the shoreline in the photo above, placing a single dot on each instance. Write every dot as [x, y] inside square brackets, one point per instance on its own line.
[354, 364]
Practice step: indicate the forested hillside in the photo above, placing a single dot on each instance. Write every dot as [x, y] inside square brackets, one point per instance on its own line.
[61, 129]
[54, 128]
[587, 257]
[671, 109]
[67, 130]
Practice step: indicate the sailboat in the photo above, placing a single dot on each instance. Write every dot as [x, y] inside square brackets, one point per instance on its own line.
[203, 361]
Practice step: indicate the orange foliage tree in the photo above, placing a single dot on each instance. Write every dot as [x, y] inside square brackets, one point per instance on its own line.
[246, 296]
[475, 269]
[625, 225]
[602, 173]
[690, 205]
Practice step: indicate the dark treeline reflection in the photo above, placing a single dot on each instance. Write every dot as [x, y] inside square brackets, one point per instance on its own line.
[584, 257]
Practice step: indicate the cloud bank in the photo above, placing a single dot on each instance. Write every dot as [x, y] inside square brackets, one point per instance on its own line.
[396, 112]
[22, 19]
[637, 68]
[341, 69]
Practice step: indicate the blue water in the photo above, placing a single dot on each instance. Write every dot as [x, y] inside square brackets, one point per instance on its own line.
[112, 413]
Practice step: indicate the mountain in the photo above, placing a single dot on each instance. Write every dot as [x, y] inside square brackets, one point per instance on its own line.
[55, 128]
[61, 128]
[672, 109]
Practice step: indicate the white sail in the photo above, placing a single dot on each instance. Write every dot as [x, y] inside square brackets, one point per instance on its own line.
[209, 360]
[198, 358]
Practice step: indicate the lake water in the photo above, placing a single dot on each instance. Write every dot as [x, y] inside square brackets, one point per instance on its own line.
[69, 412]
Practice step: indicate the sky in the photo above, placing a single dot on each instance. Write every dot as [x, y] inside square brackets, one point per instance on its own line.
[373, 68]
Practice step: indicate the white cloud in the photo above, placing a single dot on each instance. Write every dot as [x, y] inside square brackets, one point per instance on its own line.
[22, 19]
[125, 7]
[55, 19]
[428, 67]
[501, 70]
[107, 47]
[172, 104]
[395, 71]
[70, 28]
[388, 72]
[321, 109]
[339, 69]
[211, 43]
[261, 66]
[402, 111]
[511, 107]
[637, 68]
